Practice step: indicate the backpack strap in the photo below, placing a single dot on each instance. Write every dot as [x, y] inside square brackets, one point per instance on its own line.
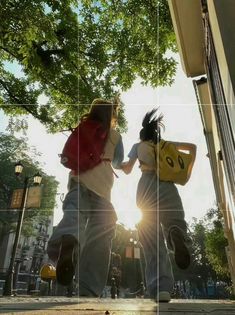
[114, 173]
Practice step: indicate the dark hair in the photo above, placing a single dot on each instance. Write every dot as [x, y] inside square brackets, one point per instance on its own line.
[103, 111]
[152, 125]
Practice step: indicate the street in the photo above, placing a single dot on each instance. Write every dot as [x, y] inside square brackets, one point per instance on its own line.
[61, 305]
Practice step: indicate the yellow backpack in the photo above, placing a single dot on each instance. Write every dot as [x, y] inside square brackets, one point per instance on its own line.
[172, 165]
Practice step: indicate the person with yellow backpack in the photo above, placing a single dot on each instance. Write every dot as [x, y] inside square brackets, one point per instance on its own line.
[162, 164]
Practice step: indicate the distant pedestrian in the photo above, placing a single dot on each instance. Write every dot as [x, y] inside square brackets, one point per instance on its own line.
[113, 289]
[116, 274]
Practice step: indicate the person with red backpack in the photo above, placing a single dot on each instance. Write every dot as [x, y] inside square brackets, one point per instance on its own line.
[81, 243]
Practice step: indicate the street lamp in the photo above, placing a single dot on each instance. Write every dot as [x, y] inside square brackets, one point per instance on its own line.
[37, 178]
[18, 168]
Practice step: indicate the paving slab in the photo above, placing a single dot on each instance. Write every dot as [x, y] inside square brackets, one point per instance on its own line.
[62, 305]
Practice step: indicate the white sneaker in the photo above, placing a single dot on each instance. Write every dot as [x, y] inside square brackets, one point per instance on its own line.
[163, 297]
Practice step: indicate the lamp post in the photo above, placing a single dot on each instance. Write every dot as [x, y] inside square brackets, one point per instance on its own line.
[37, 178]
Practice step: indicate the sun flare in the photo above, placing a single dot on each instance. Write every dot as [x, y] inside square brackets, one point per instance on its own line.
[124, 200]
[127, 213]
[129, 217]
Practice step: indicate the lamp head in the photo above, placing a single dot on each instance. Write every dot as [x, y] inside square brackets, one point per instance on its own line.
[37, 179]
[18, 168]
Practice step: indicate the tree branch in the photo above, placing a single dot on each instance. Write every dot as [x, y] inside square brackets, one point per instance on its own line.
[4, 84]
[27, 108]
[9, 52]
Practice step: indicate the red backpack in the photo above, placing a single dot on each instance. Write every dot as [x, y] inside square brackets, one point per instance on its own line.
[84, 147]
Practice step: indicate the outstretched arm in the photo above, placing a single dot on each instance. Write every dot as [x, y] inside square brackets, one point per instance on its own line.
[133, 155]
[118, 155]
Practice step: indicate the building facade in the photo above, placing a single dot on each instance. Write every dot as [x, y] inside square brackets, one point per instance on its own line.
[30, 255]
[205, 34]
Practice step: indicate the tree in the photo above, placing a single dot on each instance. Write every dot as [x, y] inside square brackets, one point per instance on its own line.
[12, 150]
[216, 244]
[40, 38]
[202, 268]
[209, 261]
[75, 52]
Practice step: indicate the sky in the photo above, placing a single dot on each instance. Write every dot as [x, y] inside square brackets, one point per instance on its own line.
[182, 123]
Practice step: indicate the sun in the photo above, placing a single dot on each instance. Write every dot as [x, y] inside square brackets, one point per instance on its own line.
[126, 210]
[129, 217]
[123, 198]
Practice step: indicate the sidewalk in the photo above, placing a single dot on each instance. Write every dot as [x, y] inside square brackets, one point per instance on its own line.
[62, 305]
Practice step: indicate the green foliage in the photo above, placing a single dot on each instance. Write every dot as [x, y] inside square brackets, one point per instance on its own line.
[73, 52]
[216, 243]
[202, 267]
[209, 245]
[209, 261]
[127, 39]
[12, 150]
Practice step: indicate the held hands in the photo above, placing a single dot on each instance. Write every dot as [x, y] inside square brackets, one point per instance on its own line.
[127, 166]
